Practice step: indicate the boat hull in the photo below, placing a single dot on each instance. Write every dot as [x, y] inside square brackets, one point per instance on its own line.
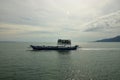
[53, 47]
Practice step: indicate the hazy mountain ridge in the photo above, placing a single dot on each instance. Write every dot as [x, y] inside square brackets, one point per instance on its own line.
[114, 39]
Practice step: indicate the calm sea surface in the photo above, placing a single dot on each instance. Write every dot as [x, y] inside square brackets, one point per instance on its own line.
[94, 61]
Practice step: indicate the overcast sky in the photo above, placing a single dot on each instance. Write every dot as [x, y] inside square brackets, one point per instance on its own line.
[40, 20]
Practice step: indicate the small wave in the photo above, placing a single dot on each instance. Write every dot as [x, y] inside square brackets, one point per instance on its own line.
[100, 48]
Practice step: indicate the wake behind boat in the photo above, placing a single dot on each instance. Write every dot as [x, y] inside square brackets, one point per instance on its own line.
[61, 45]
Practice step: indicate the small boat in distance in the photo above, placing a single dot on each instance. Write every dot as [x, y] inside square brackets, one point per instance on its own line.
[61, 45]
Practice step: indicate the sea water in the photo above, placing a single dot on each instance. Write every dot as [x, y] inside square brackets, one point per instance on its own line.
[93, 61]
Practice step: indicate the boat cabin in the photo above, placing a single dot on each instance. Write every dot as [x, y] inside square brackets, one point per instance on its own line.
[62, 42]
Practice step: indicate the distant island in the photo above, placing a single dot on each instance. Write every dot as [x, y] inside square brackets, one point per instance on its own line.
[114, 39]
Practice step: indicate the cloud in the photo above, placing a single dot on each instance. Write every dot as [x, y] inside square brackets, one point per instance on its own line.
[54, 18]
[18, 29]
[49, 12]
[111, 7]
[108, 23]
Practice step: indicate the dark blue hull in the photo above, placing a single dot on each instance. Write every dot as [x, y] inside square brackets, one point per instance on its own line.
[53, 47]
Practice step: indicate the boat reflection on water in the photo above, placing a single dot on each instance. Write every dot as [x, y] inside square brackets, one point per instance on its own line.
[63, 51]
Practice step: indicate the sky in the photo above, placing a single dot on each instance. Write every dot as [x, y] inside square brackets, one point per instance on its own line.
[49, 20]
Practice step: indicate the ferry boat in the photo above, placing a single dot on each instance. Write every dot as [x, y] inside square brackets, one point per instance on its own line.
[61, 45]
